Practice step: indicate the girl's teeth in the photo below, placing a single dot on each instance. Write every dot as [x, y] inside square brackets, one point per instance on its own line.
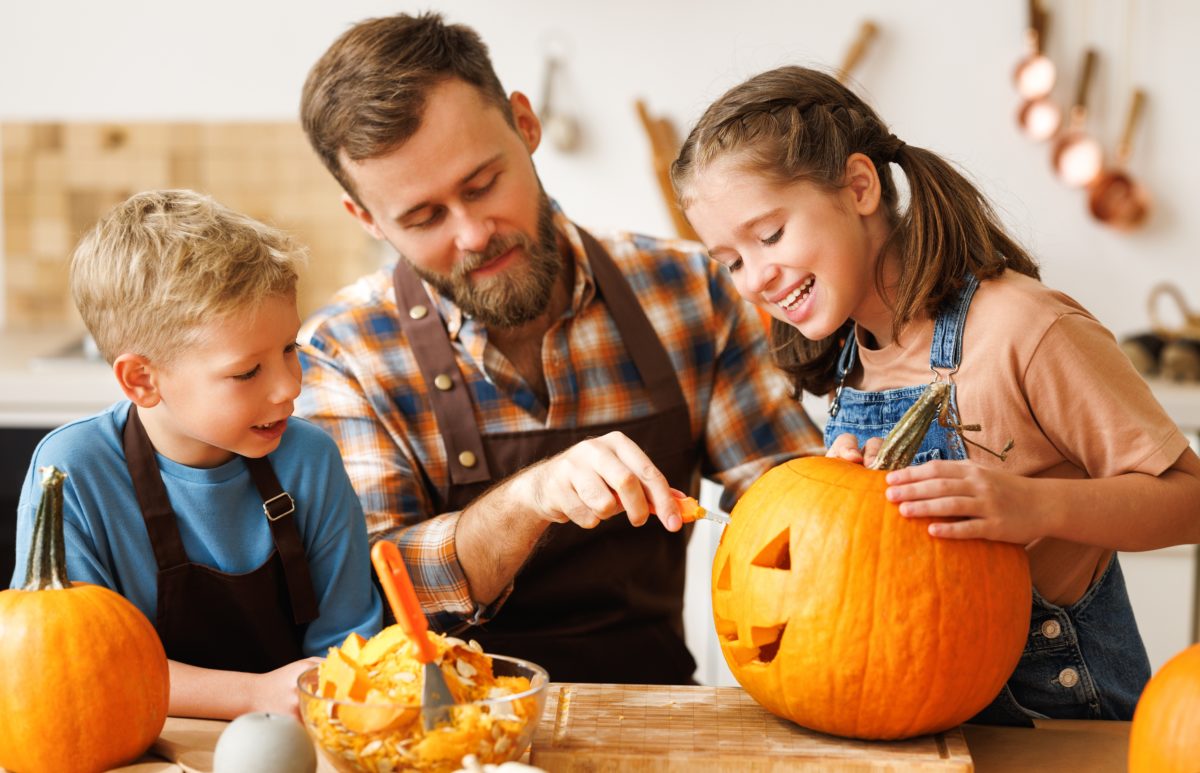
[796, 296]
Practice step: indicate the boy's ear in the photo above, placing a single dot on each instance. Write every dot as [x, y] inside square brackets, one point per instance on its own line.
[137, 379]
[363, 217]
[862, 180]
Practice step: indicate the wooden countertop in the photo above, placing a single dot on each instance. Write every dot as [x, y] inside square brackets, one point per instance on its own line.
[1054, 745]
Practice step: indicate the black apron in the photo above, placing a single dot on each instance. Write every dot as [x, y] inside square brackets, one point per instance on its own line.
[252, 622]
[590, 605]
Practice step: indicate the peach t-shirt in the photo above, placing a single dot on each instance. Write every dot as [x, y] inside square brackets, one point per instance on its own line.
[1038, 368]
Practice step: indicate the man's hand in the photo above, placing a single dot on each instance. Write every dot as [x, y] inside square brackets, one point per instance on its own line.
[598, 478]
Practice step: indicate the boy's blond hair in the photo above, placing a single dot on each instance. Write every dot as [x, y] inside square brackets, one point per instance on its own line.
[162, 263]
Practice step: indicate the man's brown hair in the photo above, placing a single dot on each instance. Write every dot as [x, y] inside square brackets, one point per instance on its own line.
[365, 96]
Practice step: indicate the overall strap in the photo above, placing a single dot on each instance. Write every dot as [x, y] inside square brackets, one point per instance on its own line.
[280, 509]
[945, 353]
[846, 362]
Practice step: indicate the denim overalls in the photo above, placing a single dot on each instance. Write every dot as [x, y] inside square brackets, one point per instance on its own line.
[1085, 661]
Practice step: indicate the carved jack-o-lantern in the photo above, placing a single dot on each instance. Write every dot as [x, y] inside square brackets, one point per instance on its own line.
[834, 611]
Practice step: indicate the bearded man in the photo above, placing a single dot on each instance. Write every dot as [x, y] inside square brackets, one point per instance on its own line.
[515, 398]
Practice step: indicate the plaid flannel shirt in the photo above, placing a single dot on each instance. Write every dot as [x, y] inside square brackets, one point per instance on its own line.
[363, 386]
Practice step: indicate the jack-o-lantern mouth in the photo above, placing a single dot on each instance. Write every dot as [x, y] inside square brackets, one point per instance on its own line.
[763, 643]
[777, 553]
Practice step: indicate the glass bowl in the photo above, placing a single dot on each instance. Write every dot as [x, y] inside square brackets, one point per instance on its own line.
[381, 737]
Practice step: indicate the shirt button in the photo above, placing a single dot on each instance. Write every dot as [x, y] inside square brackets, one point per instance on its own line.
[466, 459]
[443, 382]
[1069, 677]
[1051, 629]
[418, 312]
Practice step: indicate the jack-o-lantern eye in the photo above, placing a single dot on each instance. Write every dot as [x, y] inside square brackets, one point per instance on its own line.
[776, 554]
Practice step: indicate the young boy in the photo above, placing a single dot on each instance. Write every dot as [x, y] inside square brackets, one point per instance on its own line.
[230, 525]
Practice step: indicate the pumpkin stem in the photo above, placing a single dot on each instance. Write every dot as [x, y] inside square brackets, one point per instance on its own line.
[47, 567]
[902, 443]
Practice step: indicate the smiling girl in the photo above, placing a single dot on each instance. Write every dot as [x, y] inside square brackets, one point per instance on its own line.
[787, 179]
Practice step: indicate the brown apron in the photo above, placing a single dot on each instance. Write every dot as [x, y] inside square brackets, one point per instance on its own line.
[590, 605]
[252, 622]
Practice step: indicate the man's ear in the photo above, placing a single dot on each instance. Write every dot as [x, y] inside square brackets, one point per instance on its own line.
[363, 217]
[138, 379]
[862, 181]
[526, 120]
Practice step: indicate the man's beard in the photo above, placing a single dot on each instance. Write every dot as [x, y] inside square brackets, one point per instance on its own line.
[512, 297]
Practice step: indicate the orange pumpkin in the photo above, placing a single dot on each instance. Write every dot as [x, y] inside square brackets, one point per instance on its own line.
[85, 683]
[837, 613]
[1165, 735]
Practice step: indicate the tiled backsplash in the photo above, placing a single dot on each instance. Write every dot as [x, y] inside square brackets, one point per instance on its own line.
[60, 177]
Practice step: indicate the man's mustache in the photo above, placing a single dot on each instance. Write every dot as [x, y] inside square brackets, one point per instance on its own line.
[497, 246]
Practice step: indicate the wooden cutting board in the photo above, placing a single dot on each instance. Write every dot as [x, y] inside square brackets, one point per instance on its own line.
[614, 727]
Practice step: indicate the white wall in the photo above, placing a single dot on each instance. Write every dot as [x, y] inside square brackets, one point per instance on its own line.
[939, 73]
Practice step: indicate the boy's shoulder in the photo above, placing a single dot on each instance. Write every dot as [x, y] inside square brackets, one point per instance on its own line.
[89, 439]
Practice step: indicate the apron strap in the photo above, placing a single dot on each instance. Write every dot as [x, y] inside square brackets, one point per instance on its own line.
[280, 510]
[163, 527]
[649, 355]
[152, 494]
[452, 406]
[445, 387]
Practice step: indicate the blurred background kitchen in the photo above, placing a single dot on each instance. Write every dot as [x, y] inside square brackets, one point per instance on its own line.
[99, 100]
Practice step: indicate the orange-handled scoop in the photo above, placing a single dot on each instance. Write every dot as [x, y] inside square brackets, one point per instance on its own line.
[691, 511]
[436, 699]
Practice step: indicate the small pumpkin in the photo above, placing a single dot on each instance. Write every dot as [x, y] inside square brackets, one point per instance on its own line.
[1165, 735]
[85, 683]
[837, 613]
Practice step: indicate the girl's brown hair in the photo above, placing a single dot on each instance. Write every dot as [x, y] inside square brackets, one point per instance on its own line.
[794, 124]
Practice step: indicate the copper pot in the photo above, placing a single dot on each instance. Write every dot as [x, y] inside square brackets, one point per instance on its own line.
[1115, 198]
[1039, 117]
[1035, 74]
[1077, 156]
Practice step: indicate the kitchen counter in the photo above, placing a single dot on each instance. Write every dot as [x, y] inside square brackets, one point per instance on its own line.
[40, 388]
[185, 746]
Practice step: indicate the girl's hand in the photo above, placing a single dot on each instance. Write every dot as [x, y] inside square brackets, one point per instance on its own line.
[994, 505]
[845, 447]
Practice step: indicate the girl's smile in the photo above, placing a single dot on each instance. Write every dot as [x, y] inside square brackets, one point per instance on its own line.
[805, 253]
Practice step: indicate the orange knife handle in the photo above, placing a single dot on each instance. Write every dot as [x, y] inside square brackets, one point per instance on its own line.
[402, 598]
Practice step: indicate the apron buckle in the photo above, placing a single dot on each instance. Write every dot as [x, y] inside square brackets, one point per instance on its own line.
[276, 511]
